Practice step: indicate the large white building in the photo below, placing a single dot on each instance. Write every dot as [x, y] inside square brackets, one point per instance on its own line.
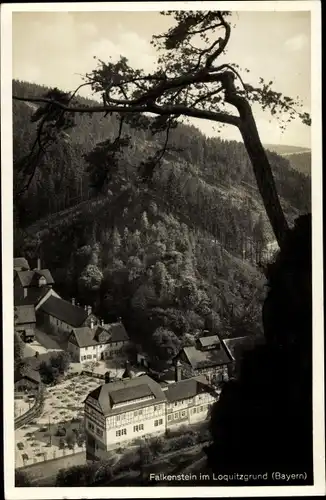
[117, 413]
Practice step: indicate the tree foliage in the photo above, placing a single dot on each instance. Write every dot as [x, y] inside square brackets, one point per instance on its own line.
[187, 81]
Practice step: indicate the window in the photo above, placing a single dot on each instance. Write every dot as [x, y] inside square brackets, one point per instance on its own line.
[89, 356]
[140, 412]
[91, 426]
[94, 347]
[183, 413]
[99, 432]
[176, 403]
[86, 348]
[176, 415]
[117, 418]
[158, 422]
[194, 410]
[201, 408]
[121, 432]
[139, 427]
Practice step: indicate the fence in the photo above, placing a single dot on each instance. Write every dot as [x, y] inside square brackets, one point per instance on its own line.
[31, 414]
[51, 456]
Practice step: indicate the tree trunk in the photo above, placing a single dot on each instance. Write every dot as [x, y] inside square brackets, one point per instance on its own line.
[264, 177]
[260, 163]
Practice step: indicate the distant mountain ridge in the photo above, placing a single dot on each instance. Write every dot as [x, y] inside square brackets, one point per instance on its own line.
[298, 157]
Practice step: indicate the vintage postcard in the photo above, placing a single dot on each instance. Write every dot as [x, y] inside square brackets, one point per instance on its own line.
[161, 172]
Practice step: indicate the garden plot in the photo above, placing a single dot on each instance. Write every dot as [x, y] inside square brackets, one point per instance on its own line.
[63, 414]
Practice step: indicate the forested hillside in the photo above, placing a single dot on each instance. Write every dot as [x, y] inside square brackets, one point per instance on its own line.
[170, 258]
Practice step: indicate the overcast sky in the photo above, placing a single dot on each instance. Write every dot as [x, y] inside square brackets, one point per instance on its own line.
[54, 48]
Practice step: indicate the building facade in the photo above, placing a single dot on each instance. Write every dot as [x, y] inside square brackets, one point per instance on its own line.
[97, 342]
[208, 357]
[117, 413]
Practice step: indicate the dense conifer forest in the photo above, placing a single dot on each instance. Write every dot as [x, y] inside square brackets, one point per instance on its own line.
[172, 258]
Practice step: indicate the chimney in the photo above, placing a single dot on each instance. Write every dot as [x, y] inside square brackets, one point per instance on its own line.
[73, 301]
[107, 377]
[119, 319]
[36, 354]
[25, 293]
[85, 307]
[102, 322]
[92, 324]
[178, 374]
[38, 264]
[89, 310]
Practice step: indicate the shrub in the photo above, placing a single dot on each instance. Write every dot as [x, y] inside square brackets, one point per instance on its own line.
[61, 431]
[156, 445]
[61, 444]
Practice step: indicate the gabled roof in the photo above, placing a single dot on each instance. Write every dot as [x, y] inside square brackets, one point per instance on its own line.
[25, 277]
[116, 331]
[238, 345]
[34, 295]
[65, 311]
[25, 314]
[21, 263]
[209, 341]
[84, 336]
[28, 373]
[135, 390]
[30, 278]
[106, 334]
[186, 389]
[45, 273]
[205, 359]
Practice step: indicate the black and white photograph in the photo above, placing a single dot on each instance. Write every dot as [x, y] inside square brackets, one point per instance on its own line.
[162, 270]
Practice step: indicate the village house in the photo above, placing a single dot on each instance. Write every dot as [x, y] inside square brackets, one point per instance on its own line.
[97, 342]
[208, 357]
[25, 322]
[27, 381]
[117, 413]
[61, 315]
[21, 264]
[26, 281]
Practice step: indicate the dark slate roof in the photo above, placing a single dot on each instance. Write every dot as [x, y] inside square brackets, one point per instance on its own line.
[186, 389]
[209, 341]
[25, 314]
[65, 311]
[25, 277]
[21, 263]
[202, 359]
[117, 331]
[38, 273]
[28, 373]
[34, 295]
[86, 336]
[130, 393]
[103, 394]
[30, 278]
[238, 345]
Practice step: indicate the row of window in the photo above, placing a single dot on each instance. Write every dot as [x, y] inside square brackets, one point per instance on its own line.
[177, 415]
[139, 427]
[158, 422]
[98, 431]
[112, 344]
[121, 432]
[89, 356]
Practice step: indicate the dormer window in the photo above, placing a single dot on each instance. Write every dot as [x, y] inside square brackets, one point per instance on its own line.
[42, 281]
